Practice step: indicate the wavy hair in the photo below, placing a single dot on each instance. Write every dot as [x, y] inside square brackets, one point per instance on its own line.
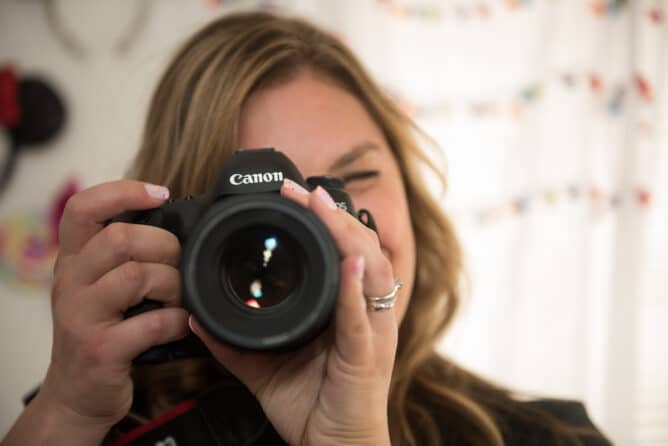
[192, 127]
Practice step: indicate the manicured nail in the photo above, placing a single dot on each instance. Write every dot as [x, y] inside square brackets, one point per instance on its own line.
[325, 197]
[358, 268]
[156, 191]
[294, 187]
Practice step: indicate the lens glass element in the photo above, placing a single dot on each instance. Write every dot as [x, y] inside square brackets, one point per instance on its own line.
[261, 266]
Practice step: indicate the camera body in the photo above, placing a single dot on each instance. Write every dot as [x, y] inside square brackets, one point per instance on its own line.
[258, 271]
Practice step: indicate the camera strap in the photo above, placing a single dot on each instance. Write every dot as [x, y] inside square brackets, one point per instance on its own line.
[228, 414]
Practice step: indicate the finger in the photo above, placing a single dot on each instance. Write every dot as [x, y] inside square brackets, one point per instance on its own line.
[295, 192]
[353, 334]
[353, 239]
[122, 242]
[86, 211]
[127, 285]
[137, 334]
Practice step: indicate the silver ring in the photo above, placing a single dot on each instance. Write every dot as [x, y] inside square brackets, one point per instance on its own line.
[386, 302]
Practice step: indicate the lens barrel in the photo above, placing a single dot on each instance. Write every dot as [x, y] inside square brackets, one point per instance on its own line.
[260, 272]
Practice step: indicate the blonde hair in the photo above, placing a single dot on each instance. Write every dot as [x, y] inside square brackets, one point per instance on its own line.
[192, 127]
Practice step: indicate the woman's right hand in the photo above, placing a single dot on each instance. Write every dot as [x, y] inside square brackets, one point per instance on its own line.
[100, 272]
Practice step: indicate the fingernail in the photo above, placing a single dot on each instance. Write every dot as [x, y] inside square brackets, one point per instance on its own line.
[156, 191]
[295, 187]
[190, 323]
[358, 268]
[325, 197]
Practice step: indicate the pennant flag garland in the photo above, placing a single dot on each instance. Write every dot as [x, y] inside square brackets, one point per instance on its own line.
[271, 5]
[550, 197]
[483, 10]
[516, 4]
[435, 11]
[484, 108]
[595, 83]
[429, 12]
[656, 15]
[596, 195]
[526, 96]
[531, 93]
[612, 97]
[569, 80]
[644, 197]
[644, 88]
[466, 10]
[521, 204]
[436, 109]
[411, 109]
[616, 101]
[607, 7]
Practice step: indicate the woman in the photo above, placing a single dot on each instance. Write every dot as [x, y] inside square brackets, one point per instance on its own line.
[257, 80]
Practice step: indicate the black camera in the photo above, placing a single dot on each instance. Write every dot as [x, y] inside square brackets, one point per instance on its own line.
[258, 271]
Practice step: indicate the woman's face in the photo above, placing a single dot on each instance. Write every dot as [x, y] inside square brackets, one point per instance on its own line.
[325, 130]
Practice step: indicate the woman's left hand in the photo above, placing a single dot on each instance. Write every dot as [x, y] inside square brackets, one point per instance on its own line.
[334, 390]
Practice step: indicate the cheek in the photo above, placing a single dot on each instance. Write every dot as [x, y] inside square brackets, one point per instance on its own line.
[392, 215]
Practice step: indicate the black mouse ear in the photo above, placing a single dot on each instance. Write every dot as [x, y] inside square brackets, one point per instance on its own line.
[32, 113]
[42, 113]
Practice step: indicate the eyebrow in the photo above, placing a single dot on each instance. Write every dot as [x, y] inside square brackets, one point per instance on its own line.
[354, 154]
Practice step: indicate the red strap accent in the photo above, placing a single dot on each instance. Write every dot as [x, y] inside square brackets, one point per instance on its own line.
[153, 424]
[10, 110]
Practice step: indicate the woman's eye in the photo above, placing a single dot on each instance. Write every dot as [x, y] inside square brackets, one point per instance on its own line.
[361, 175]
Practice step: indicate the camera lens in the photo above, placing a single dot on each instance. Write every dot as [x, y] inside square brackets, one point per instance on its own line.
[260, 265]
[260, 272]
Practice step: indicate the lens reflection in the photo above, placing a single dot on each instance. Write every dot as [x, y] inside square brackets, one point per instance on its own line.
[261, 266]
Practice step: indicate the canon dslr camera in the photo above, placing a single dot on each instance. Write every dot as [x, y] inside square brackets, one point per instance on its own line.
[258, 271]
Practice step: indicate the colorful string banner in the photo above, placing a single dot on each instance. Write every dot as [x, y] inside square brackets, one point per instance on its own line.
[612, 97]
[252, 4]
[598, 198]
[607, 7]
[656, 16]
[436, 11]
[29, 243]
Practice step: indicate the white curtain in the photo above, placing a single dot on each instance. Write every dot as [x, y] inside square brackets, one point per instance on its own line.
[552, 118]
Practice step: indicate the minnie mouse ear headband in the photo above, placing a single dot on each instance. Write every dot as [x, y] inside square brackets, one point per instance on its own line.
[31, 112]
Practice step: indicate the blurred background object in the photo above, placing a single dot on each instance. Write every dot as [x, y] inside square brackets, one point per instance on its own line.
[552, 116]
[31, 112]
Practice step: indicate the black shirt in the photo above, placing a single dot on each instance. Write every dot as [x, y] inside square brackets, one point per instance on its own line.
[228, 414]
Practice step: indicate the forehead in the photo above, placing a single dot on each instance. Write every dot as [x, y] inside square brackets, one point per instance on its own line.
[309, 118]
